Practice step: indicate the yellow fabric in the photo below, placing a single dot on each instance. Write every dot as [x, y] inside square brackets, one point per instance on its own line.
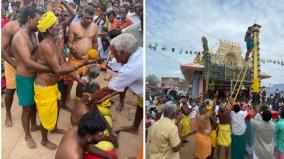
[108, 119]
[10, 74]
[213, 135]
[163, 135]
[224, 135]
[105, 145]
[104, 107]
[203, 145]
[185, 125]
[46, 103]
[106, 103]
[139, 101]
[106, 23]
[104, 110]
[46, 21]
[92, 54]
[209, 107]
[77, 98]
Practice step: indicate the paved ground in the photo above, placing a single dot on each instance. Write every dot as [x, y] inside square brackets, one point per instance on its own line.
[14, 146]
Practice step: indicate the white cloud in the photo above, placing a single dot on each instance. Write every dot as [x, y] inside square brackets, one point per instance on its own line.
[181, 24]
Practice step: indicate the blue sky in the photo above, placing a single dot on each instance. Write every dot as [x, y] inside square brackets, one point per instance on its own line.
[182, 23]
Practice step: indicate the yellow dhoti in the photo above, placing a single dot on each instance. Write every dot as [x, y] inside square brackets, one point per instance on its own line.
[213, 135]
[224, 135]
[46, 103]
[10, 74]
[185, 126]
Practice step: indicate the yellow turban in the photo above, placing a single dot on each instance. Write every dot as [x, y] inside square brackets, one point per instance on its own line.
[46, 21]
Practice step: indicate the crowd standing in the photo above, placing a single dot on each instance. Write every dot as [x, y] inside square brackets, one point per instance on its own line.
[215, 123]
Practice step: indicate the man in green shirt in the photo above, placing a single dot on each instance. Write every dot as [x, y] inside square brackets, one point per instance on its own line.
[279, 136]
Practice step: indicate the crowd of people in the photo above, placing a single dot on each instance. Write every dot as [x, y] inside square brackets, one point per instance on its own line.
[215, 123]
[47, 45]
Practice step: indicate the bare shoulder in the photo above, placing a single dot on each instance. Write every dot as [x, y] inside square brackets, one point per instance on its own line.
[74, 26]
[11, 28]
[94, 26]
[69, 148]
[18, 38]
[46, 47]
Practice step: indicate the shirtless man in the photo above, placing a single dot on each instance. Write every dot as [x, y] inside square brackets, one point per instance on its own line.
[82, 37]
[23, 45]
[202, 138]
[76, 139]
[45, 87]
[83, 107]
[224, 129]
[8, 31]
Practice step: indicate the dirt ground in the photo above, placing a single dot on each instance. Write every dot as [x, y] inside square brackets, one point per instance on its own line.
[14, 146]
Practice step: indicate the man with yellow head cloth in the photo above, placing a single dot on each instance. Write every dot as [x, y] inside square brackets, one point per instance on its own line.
[45, 85]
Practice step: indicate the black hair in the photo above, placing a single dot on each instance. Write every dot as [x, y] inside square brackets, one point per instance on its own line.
[90, 10]
[125, 6]
[266, 115]
[26, 13]
[91, 88]
[236, 108]
[105, 40]
[90, 124]
[282, 114]
[111, 13]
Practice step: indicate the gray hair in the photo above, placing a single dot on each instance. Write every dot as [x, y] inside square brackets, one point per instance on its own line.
[125, 42]
[94, 69]
[169, 109]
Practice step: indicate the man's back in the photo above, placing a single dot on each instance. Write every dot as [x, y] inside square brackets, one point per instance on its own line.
[69, 147]
[8, 32]
[263, 137]
[238, 122]
[163, 136]
[79, 110]
[204, 125]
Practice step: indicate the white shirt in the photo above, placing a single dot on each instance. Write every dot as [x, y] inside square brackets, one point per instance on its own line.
[238, 122]
[114, 65]
[194, 112]
[130, 75]
[134, 18]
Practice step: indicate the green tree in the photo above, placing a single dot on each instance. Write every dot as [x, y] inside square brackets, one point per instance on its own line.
[152, 81]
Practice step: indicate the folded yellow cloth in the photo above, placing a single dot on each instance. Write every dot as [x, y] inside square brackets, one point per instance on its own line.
[46, 21]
